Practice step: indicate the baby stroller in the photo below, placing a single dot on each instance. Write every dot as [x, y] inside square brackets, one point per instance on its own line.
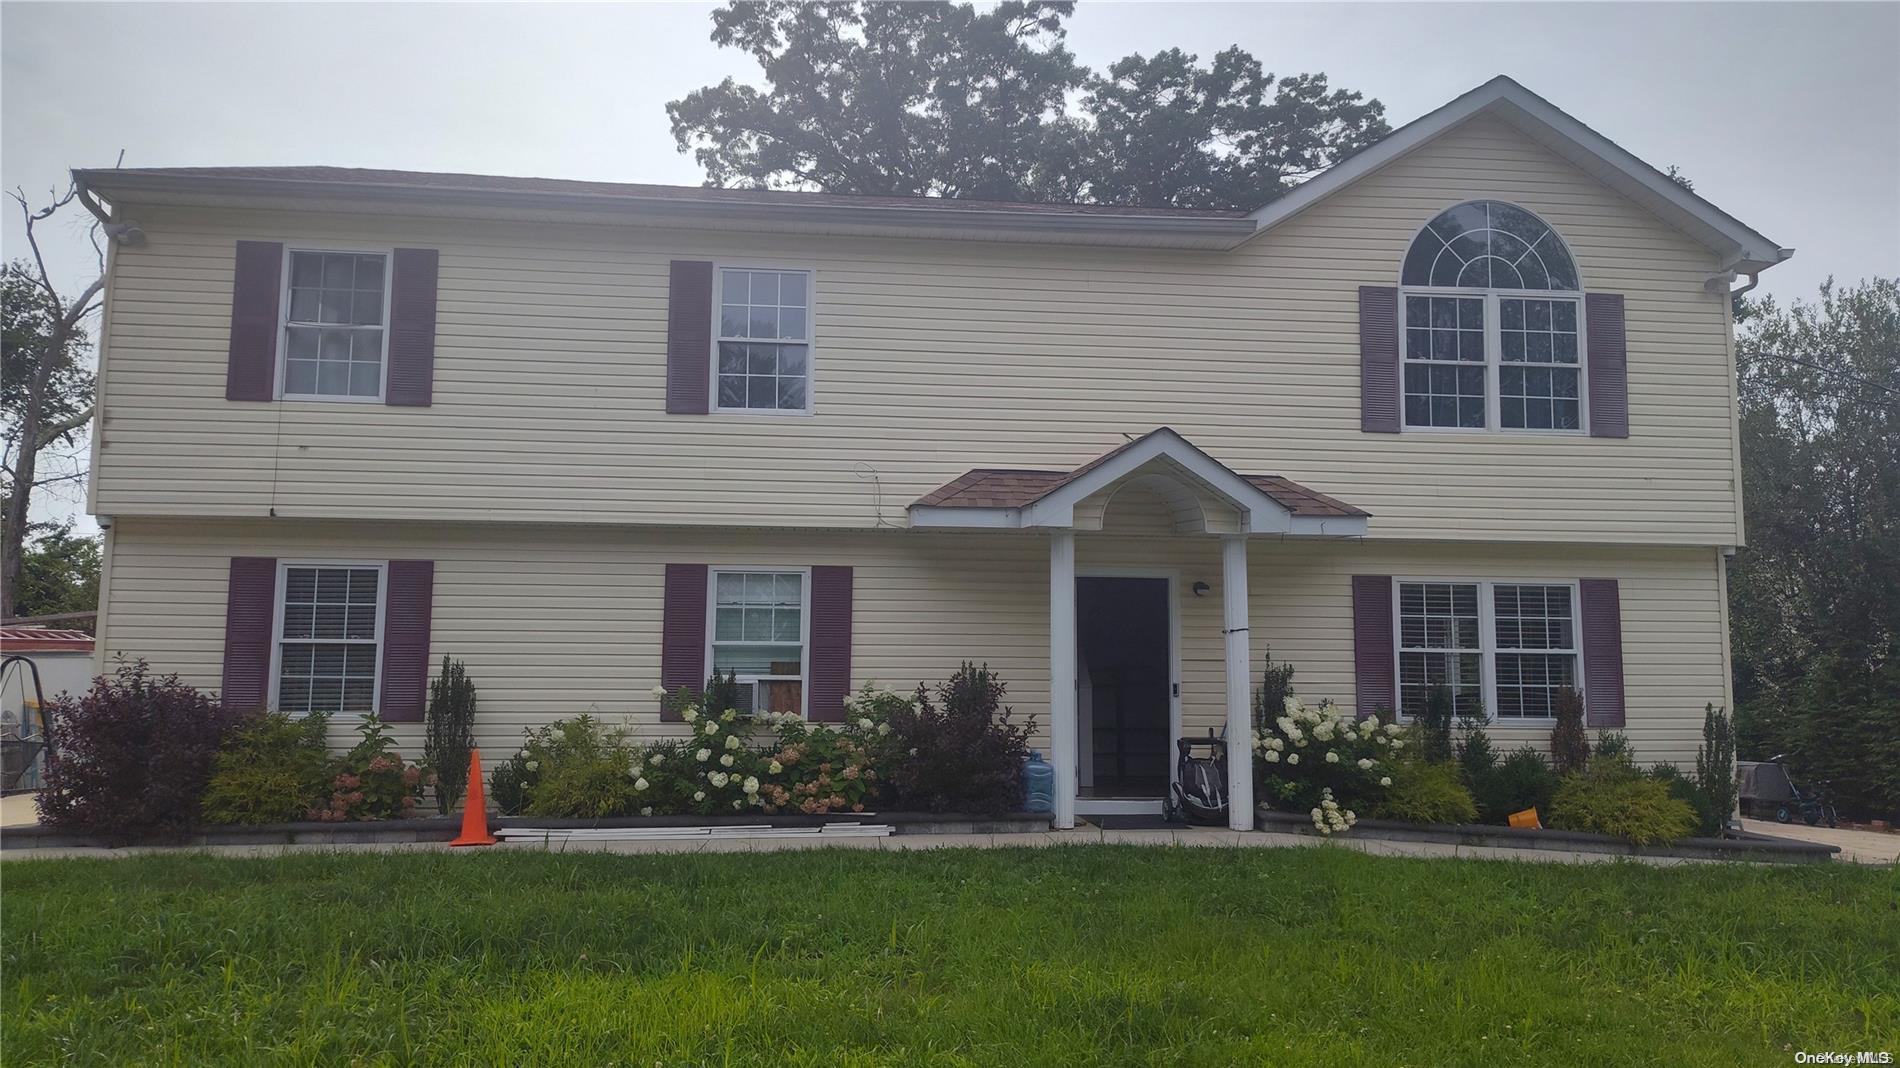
[1199, 791]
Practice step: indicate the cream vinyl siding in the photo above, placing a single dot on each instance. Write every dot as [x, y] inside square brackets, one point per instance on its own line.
[928, 358]
[553, 622]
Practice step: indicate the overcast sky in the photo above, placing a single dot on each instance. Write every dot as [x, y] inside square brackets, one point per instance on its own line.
[1785, 115]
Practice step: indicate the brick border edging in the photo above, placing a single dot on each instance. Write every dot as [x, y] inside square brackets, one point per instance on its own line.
[1744, 846]
[443, 828]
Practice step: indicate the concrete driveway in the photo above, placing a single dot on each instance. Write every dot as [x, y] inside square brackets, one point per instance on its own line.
[1860, 847]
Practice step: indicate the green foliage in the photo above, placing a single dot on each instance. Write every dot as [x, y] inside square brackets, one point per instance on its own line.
[1569, 743]
[59, 572]
[1306, 754]
[1814, 598]
[1426, 792]
[1476, 757]
[449, 733]
[940, 99]
[1523, 779]
[1715, 769]
[1636, 808]
[1433, 724]
[1613, 751]
[576, 768]
[372, 781]
[1710, 820]
[27, 316]
[722, 693]
[737, 958]
[1276, 689]
[271, 768]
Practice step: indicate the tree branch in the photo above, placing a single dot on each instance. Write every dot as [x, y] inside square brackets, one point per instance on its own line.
[51, 432]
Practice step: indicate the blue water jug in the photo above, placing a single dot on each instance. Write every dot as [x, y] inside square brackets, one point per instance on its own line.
[1039, 781]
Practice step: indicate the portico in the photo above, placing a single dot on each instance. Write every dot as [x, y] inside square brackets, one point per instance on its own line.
[1198, 497]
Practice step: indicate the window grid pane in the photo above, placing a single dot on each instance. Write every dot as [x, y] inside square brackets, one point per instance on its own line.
[758, 635]
[333, 342]
[1444, 361]
[764, 339]
[1533, 618]
[1539, 381]
[328, 652]
[1440, 645]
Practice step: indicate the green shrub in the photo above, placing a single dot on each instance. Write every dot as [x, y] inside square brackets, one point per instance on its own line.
[272, 768]
[372, 781]
[508, 785]
[1569, 744]
[1475, 754]
[574, 769]
[1276, 686]
[1709, 819]
[1433, 724]
[1614, 753]
[1426, 792]
[1306, 754]
[1637, 808]
[1715, 770]
[963, 752]
[1522, 780]
[449, 733]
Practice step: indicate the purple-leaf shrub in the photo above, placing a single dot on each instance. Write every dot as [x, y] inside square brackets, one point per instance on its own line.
[133, 755]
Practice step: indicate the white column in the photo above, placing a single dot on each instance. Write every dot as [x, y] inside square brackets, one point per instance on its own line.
[1062, 732]
[1233, 558]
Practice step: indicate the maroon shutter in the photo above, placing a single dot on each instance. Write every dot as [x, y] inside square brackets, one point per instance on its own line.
[256, 287]
[830, 644]
[1375, 664]
[689, 341]
[1608, 366]
[1601, 622]
[411, 379]
[406, 620]
[1379, 359]
[683, 632]
[250, 609]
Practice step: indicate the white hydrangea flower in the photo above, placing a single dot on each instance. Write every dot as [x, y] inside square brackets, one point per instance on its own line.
[883, 729]
[703, 755]
[865, 723]
[736, 802]
[657, 758]
[718, 778]
[775, 767]
[1365, 763]
[640, 784]
[1385, 780]
[1285, 725]
[699, 795]
[658, 691]
[534, 765]
[1332, 757]
[751, 785]
[1291, 704]
[1293, 758]
[732, 741]
[689, 713]
[1393, 727]
[647, 811]
[1271, 756]
[711, 728]
[726, 760]
[1398, 743]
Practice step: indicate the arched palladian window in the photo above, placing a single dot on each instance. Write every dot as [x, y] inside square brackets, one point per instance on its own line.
[1491, 315]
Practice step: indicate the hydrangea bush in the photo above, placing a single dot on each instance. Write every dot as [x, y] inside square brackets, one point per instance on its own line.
[1318, 759]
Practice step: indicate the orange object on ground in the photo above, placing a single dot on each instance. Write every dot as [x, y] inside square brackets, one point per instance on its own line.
[475, 809]
[1526, 818]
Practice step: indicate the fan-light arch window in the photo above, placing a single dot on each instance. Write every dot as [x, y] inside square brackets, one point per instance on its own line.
[1491, 318]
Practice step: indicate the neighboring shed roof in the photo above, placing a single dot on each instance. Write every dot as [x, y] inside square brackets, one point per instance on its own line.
[43, 640]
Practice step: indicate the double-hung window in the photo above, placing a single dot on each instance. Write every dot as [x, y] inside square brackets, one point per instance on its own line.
[335, 308]
[329, 637]
[1491, 321]
[763, 351]
[1507, 647]
[759, 634]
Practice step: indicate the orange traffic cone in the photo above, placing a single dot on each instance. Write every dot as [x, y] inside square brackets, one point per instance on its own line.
[475, 809]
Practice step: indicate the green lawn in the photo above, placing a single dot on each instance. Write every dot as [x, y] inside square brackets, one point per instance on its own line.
[1021, 957]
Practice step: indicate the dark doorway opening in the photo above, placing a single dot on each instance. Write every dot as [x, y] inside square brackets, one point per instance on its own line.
[1125, 674]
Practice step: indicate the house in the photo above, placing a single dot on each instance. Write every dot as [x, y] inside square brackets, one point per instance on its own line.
[1460, 410]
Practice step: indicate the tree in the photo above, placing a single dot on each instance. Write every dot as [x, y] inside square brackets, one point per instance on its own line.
[941, 99]
[48, 395]
[448, 726]
[59, 573]
[1814, 597]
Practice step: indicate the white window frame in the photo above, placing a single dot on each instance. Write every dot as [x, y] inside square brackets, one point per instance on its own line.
[277, 627]
[804, 627]
[1488, 639]
[388, 253]
[811, 335]
[1494, 360]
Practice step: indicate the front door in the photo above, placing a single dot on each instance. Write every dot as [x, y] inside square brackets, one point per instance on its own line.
[1124, 674]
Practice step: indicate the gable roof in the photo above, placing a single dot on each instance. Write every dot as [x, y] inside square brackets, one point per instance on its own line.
[1743, 249]
[1005, 497]
[473, 195]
